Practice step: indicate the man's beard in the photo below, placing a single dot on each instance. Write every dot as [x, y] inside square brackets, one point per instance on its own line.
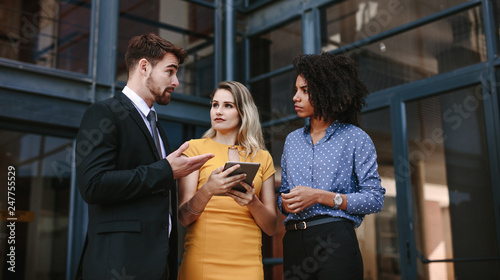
[161, 97]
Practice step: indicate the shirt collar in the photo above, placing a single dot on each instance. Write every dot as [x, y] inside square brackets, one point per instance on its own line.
[138, 102]
[328, 132]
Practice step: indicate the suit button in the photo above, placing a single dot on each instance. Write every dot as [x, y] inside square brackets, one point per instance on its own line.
[165, 225]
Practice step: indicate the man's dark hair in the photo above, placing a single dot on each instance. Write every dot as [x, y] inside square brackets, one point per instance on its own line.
[151, 47]
[335, 89]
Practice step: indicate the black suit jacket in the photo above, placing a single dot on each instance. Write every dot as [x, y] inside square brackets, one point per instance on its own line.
[126, 184]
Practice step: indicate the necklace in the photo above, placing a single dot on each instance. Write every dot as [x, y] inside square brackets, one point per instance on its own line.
[233, 147]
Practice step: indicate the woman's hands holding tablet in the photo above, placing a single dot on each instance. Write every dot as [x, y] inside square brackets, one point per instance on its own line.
[221, 181]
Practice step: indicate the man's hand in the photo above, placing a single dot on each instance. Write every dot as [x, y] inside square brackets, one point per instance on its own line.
[182, 165]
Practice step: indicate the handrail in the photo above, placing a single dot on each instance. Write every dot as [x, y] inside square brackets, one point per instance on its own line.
[272, 261]
[425, 260]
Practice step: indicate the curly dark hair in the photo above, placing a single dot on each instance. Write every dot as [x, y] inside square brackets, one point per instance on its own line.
[335, 89]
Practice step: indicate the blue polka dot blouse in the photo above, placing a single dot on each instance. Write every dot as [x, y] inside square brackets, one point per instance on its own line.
[343, 161]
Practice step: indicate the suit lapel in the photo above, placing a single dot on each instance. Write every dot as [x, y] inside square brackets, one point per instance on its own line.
[164, 138]
[135, 115]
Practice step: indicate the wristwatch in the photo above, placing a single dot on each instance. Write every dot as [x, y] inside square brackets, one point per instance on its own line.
[337, 201]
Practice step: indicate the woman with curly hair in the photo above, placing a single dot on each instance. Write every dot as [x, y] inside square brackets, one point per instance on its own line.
[329, 178]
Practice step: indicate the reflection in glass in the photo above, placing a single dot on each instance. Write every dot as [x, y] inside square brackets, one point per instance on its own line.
[42, 189]
[53, 34]
[184, 24]
[275, 136]
[354, 20]
[450, 185]
[435, 48]
[496, 18]
[380, 251]
[273, 96]
[275, 49]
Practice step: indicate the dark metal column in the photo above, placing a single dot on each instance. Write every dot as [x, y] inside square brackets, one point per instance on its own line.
[229, 35]
[104, 47]
[310, 31]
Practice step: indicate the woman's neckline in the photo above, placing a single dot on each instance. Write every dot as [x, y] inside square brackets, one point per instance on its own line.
[227, 145]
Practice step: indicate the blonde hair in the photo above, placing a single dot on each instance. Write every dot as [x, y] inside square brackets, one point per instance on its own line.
[250, 132]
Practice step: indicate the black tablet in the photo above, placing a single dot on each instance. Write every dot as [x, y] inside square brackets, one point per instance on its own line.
[249, 168]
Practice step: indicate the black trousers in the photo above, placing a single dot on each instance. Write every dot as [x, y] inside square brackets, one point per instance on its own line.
[326, 251]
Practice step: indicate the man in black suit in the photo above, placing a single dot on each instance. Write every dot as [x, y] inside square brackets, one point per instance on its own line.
[126, 178]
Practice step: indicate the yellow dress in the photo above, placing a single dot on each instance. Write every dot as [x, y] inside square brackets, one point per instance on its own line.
[224, 242]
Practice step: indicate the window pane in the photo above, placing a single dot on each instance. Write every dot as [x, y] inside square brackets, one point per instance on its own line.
[436, 48]
[496, 18]
[381, 251]
[275, 140]
[42, 189]
[252, 2]
[273, 96]
[353, 20]
[184, 24]
[451, 186]
[53, 34]
[275, 49]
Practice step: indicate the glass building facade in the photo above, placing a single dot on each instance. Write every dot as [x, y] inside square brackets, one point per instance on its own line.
[433, 113]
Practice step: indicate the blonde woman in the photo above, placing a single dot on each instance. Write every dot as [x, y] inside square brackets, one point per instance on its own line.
[223, 239]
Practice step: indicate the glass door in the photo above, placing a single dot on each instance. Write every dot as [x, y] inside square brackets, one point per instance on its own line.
[35, 206]
[451, 189]
[378, 234]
